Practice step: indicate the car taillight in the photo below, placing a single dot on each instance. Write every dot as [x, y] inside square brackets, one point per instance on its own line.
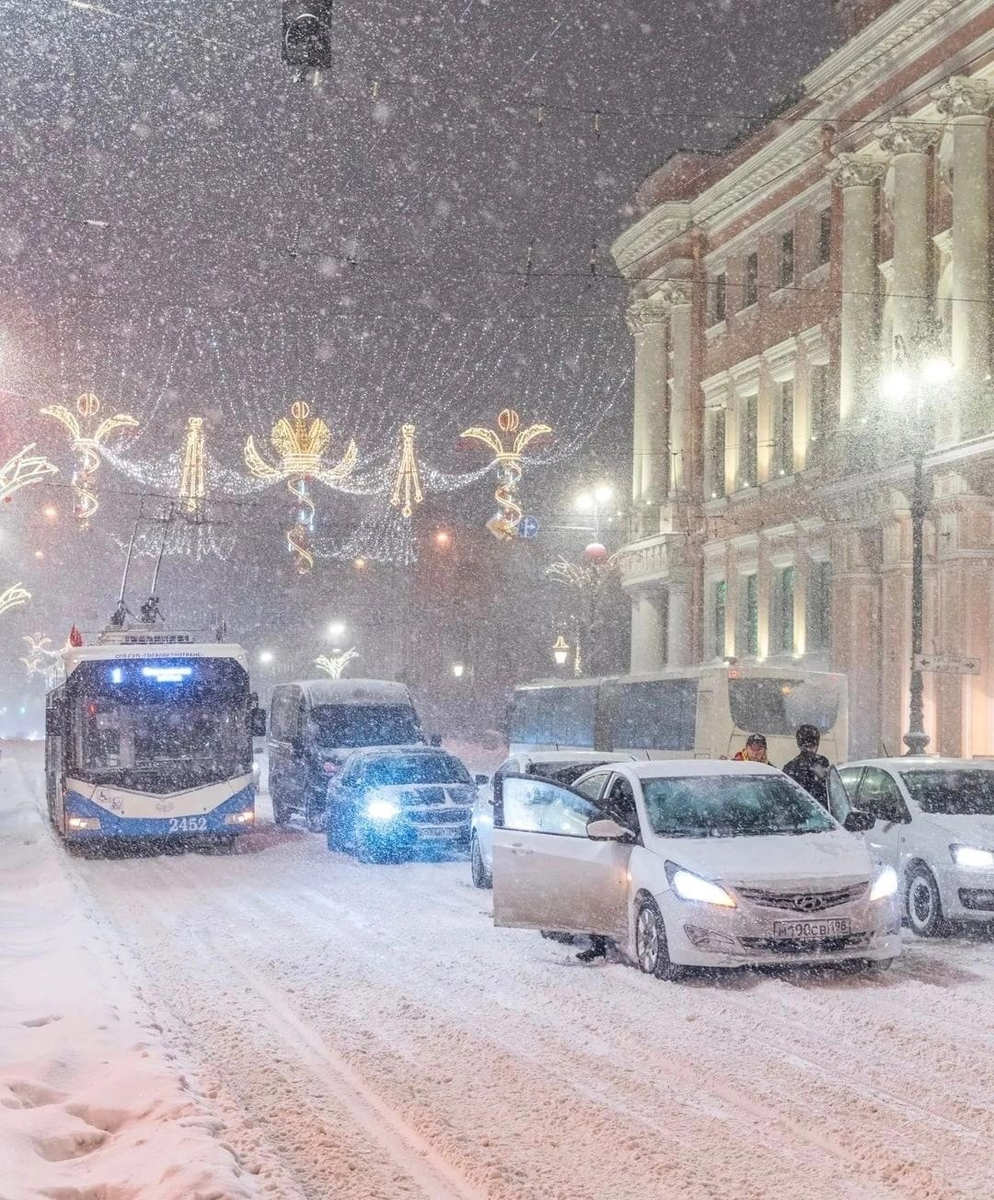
[330, 768]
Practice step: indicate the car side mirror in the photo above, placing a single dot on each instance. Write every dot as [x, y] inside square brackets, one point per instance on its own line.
[604, 829]
[859, 822]
[258, 722]
[481, 780]
[434, 739]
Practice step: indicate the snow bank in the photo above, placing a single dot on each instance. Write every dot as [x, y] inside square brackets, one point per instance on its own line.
[91, 1103]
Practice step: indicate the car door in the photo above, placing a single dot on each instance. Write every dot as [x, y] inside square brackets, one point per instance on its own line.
[548, 874]
[483, 817]
[880, 796]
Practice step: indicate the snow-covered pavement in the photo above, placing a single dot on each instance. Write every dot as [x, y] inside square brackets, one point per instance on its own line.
[364, 1031]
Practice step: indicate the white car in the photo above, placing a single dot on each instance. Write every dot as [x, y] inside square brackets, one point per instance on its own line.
[933, 821]
[692, 863]
[564, 766]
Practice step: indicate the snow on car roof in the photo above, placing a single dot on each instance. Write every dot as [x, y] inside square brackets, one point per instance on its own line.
[677, 768]
[577, 756]
[925, 762]
[353, 691]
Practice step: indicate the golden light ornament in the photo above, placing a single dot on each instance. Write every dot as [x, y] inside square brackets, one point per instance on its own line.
[22, 470]
[86, 441]
[192, 486]
[13, 596]
[42, 659]
[301, 448]
[335, 664]
[407, 487]
[507, 458]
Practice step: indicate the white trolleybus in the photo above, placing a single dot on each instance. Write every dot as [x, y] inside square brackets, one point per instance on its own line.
[697, 712]
[148, 735]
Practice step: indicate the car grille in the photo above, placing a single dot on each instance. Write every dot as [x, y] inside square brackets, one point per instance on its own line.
[428, 795]
[789, 946]
[439, 816]
[803, 902]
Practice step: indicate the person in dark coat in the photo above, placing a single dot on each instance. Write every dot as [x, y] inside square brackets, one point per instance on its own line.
[809, 768]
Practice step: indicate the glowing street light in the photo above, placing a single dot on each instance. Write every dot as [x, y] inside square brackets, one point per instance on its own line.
[336, 630]
[594, 500]
[265, 657]
[560, 651]
[458, 669]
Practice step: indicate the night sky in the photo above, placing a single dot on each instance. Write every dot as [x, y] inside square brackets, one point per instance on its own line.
[185, 230]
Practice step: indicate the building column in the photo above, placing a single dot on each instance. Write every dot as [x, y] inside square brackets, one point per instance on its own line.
[647, 631]
[969, 103]
[678, 631]
[677, 295]
[858, 178]
[648, 321]
[909, 146]
[856, 628]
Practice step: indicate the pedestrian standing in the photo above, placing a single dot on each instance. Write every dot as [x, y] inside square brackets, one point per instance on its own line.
[809, 768]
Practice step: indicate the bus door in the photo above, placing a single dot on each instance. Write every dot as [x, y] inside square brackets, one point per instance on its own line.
[56, 714]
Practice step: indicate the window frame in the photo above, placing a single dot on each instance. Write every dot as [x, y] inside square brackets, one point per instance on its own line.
[718, 308]
[750, 280]
[499, 813]
[823, 245]
[786, 258]
[859, 803]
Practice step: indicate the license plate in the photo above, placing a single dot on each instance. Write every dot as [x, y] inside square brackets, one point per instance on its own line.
[812, 930]
[438, 834]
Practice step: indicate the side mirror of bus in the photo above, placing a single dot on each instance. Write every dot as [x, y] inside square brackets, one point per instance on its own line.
[434, 739]
[53, 721]
[258, 722]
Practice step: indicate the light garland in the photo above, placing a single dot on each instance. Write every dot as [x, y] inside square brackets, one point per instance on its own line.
[87, 446]
[42, 659]
[407, 487]
[301, 450]
[13, 596]
[504, 523]
[335, 664]
[192, 488]
[22, 470]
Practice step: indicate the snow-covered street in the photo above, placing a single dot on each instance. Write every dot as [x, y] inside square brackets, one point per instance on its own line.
[364, 1031]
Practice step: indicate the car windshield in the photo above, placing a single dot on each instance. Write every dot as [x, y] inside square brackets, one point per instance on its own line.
[416, 768]
[700, 806]
[336, 725]
[955, 792]
[560, 772]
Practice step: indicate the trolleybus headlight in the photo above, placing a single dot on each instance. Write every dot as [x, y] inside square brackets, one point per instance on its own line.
[83, 822]
[382, 810]
[240, 818]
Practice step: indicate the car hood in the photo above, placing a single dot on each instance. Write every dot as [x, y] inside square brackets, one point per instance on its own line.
[967, 830]
[427, 793]
[802, 859]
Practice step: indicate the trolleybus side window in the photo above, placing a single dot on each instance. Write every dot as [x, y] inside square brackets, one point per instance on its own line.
[659, 714]
[555, 716]
[776, 707]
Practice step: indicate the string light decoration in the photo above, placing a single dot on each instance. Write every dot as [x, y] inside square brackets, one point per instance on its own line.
[86, 442]
[407, 487]
[507, 458]
[335, 664]
[301, 450]
[22, 470]
[13, 596]
[192, 488]
[42, 659]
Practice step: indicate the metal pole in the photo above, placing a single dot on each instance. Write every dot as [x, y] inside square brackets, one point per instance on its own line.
[916, 739]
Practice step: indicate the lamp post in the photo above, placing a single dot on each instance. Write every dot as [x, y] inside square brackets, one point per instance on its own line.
[560, 651]
[912, 386]
[593, 501]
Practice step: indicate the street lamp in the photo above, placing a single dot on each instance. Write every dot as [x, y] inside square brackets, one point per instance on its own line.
[913, 385]
[336, 631]
[560, 651]
[458, 669]
[593, 501]
[265, 657]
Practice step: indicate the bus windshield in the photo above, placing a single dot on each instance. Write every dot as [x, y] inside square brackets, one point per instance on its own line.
[776, 707]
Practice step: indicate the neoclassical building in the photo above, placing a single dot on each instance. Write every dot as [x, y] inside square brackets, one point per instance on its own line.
[775, 288]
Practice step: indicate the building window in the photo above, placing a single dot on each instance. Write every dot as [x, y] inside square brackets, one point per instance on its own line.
[716, 454]
[751, 288]
[719, 597]
[818, 620]
[787, 258]
[783, 429]
[748, 638]
[748, 408]
[818, 410]
[782, 612]
[824, 237]
[718, 299]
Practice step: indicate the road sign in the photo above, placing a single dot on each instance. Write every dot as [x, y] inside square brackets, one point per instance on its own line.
[528, 527]
[947, 664]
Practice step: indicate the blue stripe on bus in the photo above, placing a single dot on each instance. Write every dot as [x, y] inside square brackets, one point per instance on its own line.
[112, 825]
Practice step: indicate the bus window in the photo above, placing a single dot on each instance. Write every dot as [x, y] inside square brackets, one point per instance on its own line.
[776, 707]
[554, 716]
[658, 714]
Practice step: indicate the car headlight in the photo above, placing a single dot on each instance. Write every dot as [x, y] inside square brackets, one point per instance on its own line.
[689, 886]
[884, 885]
[382, 810]
[971, 856]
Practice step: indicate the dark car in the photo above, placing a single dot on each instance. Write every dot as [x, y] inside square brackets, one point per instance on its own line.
[385, 803]
[316, 724]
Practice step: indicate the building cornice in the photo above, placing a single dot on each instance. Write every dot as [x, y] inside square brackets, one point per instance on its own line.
[663, 224]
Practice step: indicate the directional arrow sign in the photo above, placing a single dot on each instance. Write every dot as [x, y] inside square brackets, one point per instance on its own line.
[947, 664]
[528, 527]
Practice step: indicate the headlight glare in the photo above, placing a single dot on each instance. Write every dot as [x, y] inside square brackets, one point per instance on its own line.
[689, 886]
[884, 885]
[971, 856]
[382, 810]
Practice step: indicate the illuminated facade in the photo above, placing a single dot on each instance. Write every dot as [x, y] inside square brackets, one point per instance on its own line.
[774, 287]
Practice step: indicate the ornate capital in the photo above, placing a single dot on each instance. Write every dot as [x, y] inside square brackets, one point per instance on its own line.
[676, 293]
[964, 96]
[906, 137]
[645, 315]
[856, 170]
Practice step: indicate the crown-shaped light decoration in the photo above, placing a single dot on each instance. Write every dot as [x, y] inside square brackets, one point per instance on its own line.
[86, 441]
[22, 470]
[335, 664]
[407, 486]
[507, 458]
[300, 448]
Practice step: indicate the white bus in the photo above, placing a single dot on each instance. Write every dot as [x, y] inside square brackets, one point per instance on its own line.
[697, 712]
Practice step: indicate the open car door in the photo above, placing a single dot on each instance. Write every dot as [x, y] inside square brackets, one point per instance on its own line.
[548, 873]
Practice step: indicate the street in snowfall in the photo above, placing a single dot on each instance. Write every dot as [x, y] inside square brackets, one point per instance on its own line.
[497, 600]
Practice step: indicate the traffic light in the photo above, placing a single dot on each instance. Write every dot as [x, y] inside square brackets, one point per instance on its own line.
[307, 33]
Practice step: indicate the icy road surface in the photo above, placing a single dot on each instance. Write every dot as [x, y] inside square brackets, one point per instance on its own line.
[384, 1040]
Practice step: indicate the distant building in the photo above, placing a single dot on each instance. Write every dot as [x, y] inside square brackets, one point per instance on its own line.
[774, 287]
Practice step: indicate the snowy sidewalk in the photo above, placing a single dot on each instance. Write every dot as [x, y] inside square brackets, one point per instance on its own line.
[91, 1103]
